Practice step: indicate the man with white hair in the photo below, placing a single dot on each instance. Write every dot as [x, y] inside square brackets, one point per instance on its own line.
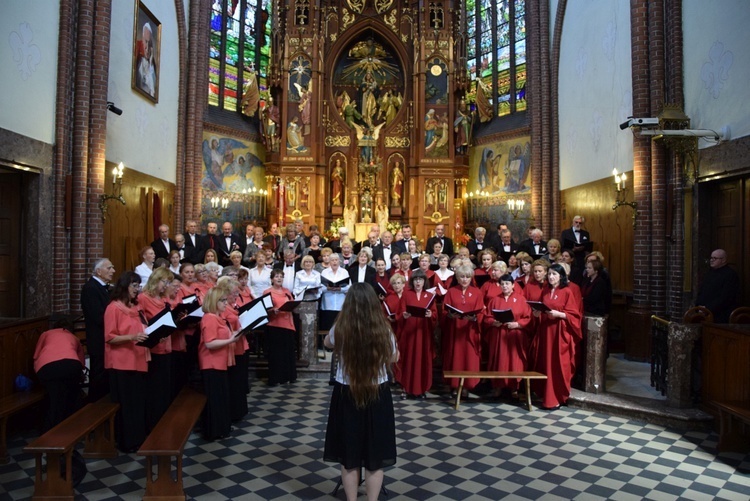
[94, 301]
[534, 246]
[335, 243]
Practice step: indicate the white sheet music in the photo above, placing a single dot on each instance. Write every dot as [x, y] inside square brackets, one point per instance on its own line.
[165, 320]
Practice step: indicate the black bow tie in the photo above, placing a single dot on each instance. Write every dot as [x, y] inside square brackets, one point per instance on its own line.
[387, 247]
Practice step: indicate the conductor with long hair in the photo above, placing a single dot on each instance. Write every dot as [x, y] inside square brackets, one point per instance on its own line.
[361, 425]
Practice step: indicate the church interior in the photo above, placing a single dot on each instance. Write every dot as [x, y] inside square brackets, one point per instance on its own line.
[120, 117]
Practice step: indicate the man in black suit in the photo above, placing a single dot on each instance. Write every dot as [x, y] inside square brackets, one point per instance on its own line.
[94, 301]
[361, 271]
[507, 246]
[273, 238]
[534, 246]
[292, 241]
[290, 266]
[440, 237]
[478, 244]
[577, 239]
[403, 244]
[229, 241]
[493, 237]
[211, 238]
[335, 243]
[194, 243]
[384, 250]
[163, 245]
[249, 234]
[179, 240]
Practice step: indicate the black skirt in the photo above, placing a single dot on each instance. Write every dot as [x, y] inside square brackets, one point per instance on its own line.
[282, 361]
[216, 420]
[358, 438]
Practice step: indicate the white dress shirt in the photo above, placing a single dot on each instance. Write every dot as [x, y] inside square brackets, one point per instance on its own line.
[302, 279]
[334, 300]
[289, 275]
[259, 281]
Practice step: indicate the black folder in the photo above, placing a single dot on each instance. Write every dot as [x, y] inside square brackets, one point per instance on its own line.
[539, 306]
[460, 313]
[420, 311]
[340, 283]
[159, 327]
[481, 280]
[588, 245]
[504, 316]
[380, 290]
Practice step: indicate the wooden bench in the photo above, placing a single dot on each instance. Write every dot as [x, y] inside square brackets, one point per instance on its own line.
[167, 440]
[734, 427]
[526, 376]
[10, 405]
[96, 424]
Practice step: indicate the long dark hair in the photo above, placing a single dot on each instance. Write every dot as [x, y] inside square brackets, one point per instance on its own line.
[363, 341]
[121, 291]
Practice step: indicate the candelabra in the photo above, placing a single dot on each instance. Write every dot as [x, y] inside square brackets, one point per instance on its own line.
[255, 203]
[621, 194]
[219, 205]
[116, 191]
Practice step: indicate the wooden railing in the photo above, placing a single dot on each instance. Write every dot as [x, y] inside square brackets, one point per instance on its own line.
[659, 353]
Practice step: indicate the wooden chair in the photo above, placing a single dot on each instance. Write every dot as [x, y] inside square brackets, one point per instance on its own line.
[740, 316]
[698, 315]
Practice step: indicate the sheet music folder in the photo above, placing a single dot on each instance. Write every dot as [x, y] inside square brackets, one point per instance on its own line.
[538, 306]
[462, 314]
[504, 316]
[159, 327]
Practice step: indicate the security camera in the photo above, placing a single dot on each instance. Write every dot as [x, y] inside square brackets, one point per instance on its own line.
[114, 109]
[639, 122]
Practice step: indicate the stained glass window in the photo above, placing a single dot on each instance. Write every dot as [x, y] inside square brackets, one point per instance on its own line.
[496, 51]
[239, 44]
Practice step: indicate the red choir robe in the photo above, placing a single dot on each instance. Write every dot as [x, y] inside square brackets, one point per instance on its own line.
[393, 301]
[508, 348]
[552, 350]
[415, 343]
[461, 337]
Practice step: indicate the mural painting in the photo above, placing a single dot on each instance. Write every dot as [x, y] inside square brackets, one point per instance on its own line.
[300, 109]
[436, 124]
[232, 165]
[501, 168]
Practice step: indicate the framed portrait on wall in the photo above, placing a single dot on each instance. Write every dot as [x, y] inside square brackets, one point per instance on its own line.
[146, 52]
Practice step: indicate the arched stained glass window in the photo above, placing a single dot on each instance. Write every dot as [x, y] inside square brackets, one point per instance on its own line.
[240, 43]
[496, 51]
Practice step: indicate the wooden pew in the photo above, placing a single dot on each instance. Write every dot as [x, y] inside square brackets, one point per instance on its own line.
[167, 440]
[734, 427]
[461, 375]
[96, 424]
[9, 405]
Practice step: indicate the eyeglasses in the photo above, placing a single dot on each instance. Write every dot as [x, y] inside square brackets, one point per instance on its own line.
[135, 284]
[165, 281]
[222, 300]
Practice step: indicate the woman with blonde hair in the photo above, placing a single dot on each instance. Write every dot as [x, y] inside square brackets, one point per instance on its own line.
[361, 430]
[554, 251]
[212, 257]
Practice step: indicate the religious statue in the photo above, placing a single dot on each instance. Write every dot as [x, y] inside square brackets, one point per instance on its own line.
[338, 178]
[250, 95]
[304, 105]
[484, 106]
[381, 217]
[271, 119]
[350, 218]
[397, 185]
[462, 126]
[369, 98]
[366, 204]
[430, 125]
[367, 138]
[389, 106]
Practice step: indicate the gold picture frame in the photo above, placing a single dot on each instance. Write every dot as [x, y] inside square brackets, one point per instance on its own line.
[146, 52]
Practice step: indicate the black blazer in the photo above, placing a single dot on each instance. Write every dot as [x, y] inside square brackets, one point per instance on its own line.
[224, 251]
[473, 247]
[447, 245]
[160, 250]
[94, 301]
[370, 274]
[281, 264]
[194, 253]
[580, 255]
[400, 245]
[379, 253]
[274, 241]
[528, 247]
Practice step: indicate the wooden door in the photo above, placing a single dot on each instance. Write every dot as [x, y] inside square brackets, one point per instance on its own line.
[10, 245]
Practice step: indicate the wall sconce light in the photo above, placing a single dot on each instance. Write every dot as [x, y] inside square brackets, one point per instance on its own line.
[116, 191]
[515, 206]
[621, 193]
[219, 205]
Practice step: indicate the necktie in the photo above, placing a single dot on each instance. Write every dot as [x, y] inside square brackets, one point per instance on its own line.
[388, 247]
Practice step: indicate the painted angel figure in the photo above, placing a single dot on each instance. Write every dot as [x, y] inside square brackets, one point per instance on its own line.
[304, 106]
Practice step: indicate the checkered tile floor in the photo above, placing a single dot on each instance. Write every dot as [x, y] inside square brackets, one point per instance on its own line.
[484, 451]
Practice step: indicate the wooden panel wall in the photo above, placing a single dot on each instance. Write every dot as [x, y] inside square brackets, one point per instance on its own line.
[611, 231]
[130, 227]
[17, 344]
[725, 371]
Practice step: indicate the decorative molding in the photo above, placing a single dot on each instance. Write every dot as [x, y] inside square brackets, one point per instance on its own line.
[340, 141]
[347, 19]
[397, 142]
[383, 5]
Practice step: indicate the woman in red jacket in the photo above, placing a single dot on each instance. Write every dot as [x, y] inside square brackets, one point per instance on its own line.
[215, 354]
[127, 362]
[58, 362]
[281, 337]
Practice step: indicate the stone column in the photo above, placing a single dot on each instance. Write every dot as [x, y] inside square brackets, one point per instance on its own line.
[595, 356]
[681, 342]
[308, 343]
